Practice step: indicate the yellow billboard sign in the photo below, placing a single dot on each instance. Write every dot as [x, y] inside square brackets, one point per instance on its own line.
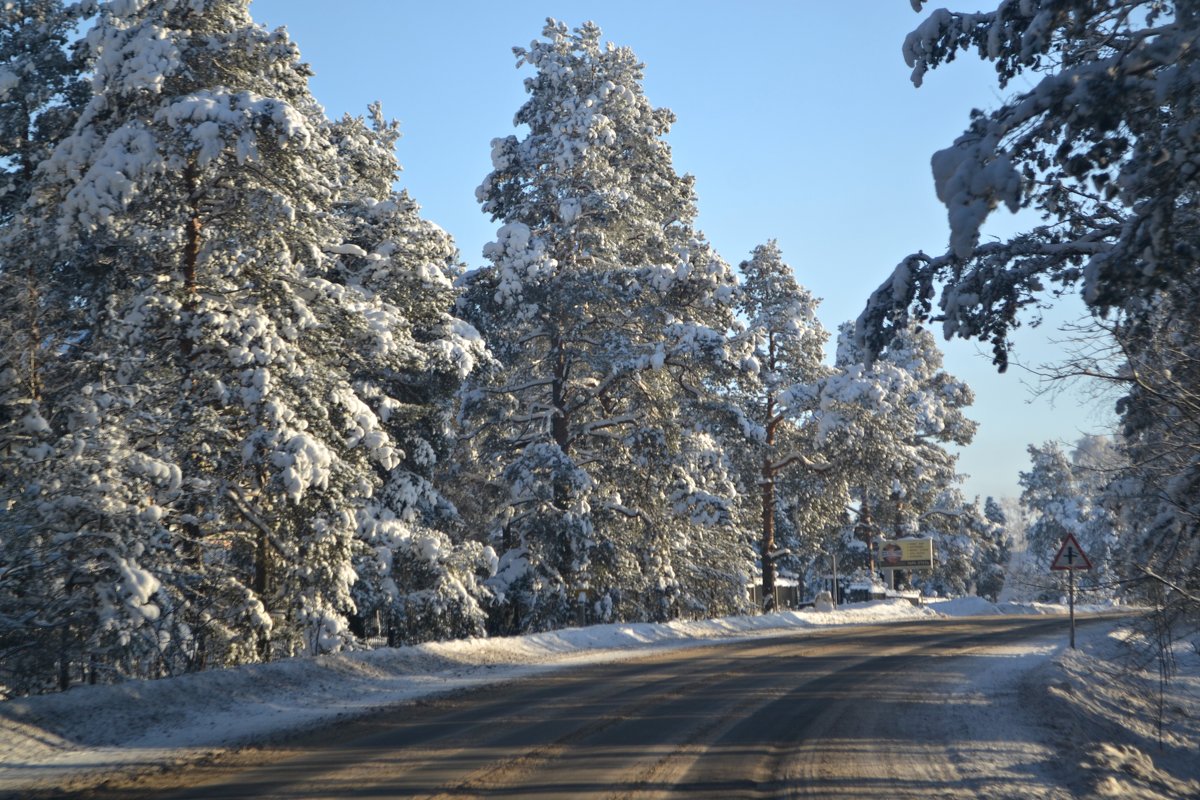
[908, 553]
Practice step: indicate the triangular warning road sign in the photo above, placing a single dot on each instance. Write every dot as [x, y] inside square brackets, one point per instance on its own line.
[1070, 556]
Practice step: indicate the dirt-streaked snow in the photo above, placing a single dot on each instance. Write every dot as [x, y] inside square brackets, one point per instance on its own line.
[73, 737]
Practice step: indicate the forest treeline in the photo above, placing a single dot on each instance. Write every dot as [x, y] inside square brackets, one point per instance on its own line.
[254, 405]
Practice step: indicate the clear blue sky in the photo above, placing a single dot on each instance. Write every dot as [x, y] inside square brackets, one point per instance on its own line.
[796, 117]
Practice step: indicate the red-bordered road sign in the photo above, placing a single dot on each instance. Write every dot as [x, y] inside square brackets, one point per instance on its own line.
[1070, 555]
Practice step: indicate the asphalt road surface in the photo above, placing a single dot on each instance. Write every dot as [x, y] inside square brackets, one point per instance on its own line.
[905, 710]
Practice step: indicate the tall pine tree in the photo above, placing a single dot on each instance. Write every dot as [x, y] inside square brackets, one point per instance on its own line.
[887, 425]
[41, 92]
[228, 411]
[776, 422]
[417, 577]
[606, 312]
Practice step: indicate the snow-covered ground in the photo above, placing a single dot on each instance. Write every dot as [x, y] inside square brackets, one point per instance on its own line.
[1105, 710]
[72, 739]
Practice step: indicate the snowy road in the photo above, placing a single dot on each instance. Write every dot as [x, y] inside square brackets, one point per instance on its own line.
[908, 709]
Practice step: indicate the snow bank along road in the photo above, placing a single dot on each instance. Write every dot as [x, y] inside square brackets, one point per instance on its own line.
[929, 708]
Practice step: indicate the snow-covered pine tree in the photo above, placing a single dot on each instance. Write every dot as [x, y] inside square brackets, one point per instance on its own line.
[192, 210]
[1065, 494]
[604, 309]
[94, 571]
[994, 551]
[415, 581]
[1098, 462]
[967, 547]
[954, 525]
[1155, 497]
[1098, 140]
[887, 424]
[778, 430]
[813, 523]
[41, 90]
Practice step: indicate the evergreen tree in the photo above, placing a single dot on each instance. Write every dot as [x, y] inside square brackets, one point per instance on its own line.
[604, 310]
[1099, 142]
[994, 551]
[967, 548]
[41, 91]
[1154, 496]
[1096, 142]
[887, 425]
[1066, 494]
[1049, 489]
[413, 577]
[776, 423]
[226, 417]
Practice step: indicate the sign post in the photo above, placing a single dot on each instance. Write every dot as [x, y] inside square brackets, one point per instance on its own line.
[1070, 557]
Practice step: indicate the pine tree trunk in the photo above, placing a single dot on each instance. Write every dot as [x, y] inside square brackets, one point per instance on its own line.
[191, 257]
[191, 251]
[560, 422]
[261, 565]
[64, 661]
[768, 503]
[35, 335]
[32, 298]
[768, 535]
[865, 527]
